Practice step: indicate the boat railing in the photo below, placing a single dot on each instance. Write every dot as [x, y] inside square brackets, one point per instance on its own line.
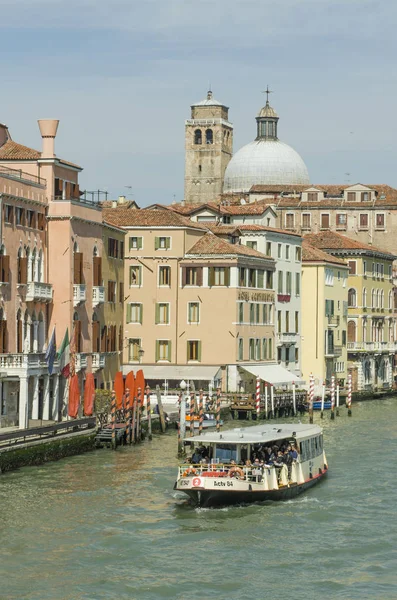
[271, 475]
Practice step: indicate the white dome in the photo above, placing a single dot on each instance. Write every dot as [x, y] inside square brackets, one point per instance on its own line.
[264, 162]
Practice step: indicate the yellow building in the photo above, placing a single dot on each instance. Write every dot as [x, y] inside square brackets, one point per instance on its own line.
[108, 339]
[371, 338]
[324, 315]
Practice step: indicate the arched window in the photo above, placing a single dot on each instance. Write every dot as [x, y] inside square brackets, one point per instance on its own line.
[33, 333]
[373, 299]
[209, 136]
[77, 332]
[365, 330]
[3, 333]
[40, 267]
[351, 331]
[377, 299]
[19, 332]
[382, 299]
[41, 333]
[26, 332]
[390, 300]
[364, 298]
[351, 297]
[96, 344]
[197, 137]
[391, 331]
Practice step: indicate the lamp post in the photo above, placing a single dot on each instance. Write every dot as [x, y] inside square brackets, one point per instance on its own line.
[141, 352]
[182, 416]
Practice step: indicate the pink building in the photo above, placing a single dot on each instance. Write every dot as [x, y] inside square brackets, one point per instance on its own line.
[50, 265]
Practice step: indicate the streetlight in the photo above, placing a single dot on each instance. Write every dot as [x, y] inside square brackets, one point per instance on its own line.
[141, 352]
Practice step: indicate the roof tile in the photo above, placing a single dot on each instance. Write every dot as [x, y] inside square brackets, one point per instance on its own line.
[210, 244]
[125, 217]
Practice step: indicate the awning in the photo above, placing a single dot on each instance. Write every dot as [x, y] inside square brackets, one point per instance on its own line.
[162, 372]
[274, 374]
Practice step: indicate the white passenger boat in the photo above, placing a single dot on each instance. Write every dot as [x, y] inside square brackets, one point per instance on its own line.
[209, 421]
[227, 477]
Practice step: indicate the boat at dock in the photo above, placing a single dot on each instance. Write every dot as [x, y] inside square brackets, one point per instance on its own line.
[209, 421]
[227, 476]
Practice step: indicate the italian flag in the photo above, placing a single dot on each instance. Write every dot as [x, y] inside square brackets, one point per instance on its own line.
[64, 355]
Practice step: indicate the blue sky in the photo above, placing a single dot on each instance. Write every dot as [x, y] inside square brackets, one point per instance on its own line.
[121, 76]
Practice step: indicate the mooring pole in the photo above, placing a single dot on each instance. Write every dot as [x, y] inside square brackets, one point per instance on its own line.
[258, 397]
[272, 399]
[266, 407]
[333, 397]
[337, 400]
[349, 394]
[128, 416]
[191, 422]
[149, 413]
[133, 428]
[311, 398]
[182, 423]
[113, 413]
[180, 440]
[322, 400]
[218, 409]
[201, 415]
[138, 416]
[160, 407]
[293, 399]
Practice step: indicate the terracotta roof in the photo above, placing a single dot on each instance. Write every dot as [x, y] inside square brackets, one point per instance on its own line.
[265, 228]
[220, 228]
[127, 204]
[330, 240]
[253, 208]
[213, 245]
[312, 254]
[13, 151]
[125, 217]
[277, 188]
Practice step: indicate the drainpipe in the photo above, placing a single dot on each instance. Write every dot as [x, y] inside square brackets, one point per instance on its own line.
[1, 217]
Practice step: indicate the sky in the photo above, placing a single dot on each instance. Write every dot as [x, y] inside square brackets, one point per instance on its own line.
[121, 76]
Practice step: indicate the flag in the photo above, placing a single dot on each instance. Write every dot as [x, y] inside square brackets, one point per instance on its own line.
[51, 352]
[64, 355]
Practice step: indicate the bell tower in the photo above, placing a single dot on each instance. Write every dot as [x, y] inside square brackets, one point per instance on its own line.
[208, 149]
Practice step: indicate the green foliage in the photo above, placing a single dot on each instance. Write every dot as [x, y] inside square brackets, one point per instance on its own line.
[103, 400]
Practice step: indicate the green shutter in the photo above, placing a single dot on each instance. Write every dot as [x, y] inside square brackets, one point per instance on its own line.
[157, 350]
[169, 350]
[139, 243]
[211, 277]
[199, 351]
[168, 243]
[167, 313]
[128, 313]
[156, 243]
[260, 279]
[187, 351]
[227, 276]
[139, 276]
[157, 317]
[141, 314]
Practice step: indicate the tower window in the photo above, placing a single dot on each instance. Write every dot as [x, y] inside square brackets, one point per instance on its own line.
[209, 136]
[199, 168]
[197, 136]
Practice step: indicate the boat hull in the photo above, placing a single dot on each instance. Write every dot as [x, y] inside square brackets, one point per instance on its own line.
[214, 498]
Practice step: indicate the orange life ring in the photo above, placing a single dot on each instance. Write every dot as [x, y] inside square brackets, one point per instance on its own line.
[237, 470]
[189, 471]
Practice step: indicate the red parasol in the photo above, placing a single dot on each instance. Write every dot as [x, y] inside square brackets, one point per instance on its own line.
[119, 389]
[74, 397]
[89, 395]
[140, 383]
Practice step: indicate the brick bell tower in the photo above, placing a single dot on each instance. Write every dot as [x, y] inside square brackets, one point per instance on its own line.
[208, 149]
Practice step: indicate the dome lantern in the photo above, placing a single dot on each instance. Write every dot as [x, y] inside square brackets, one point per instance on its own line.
[267, 120]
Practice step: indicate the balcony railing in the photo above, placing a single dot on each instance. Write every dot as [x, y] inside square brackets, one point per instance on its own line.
[283, 297]
[79, 293]
[39, 292]
[98, 361]
[287, 338]
[98, 295]
[31, 360]
[372, 346]
[81, 361]
[334, 351]
[333, 320]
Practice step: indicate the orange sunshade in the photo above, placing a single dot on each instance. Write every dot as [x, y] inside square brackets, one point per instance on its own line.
[89, 395]
[74, 397]
[119, 389]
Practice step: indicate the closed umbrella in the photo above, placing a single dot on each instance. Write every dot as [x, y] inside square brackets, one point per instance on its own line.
[130, 384]
[119, 389]
[74, 397]
[89, 395]
[140, 383]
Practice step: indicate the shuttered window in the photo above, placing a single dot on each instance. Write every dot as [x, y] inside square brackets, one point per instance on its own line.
[162, 243]
[5, 269]
[135, 276]
[136, 243]
[165, 276]
[135, 313]
[194, 312]
[162, 313]
[194, 350]
[163, 350]
[78, 268]
[219, 276]
[325, 221]
[97, 270]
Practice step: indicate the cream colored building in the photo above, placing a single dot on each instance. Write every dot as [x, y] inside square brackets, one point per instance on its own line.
[197, 307]
[324, 315]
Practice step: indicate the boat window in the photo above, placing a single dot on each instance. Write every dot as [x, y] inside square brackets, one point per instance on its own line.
[320, 443]
[226, 452]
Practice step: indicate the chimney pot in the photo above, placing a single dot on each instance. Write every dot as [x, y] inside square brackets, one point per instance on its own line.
[48, 130]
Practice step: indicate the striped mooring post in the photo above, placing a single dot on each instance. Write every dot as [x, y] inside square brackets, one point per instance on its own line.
[258, 397]
[349, 394]
[127, 416]
[138, 416]
[201, 412]
[149, 414]
[113, 416]
[337, 400]
[311, 398]
[181, 424]
[272, 400]
[294, 398]
[218, 409]
[322, 400]
[191, 423]
[133, 426]
[333, 397]
[266, 407]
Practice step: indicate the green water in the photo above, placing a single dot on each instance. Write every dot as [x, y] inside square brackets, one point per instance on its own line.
[109, 525]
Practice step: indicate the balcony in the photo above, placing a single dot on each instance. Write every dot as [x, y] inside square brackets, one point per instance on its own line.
[81, 362]
[39, 292]
[98, 361]
[98, 295]
[333, 320]
[333, 351]
[17, 364]
[79, 293]
[372, 347]
[283, 297]
[287, 338]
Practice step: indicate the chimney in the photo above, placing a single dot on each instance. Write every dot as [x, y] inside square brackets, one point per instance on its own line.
[48, 130]
[121, 200]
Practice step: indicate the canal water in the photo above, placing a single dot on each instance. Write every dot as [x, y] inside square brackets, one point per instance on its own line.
[109, 525]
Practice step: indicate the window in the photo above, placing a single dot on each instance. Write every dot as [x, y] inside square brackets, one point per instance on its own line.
[341, 220]
[257, 349]
[134, 345]
[379, 221]
[365, 196]
[165, 276]
[240, 349]
[163, 350]
[287, 321]
[251, 349]
[270, 349]
[298, 254]
[194, 312]
[20, 216]
[390, 300]
[364, 298]
[4, 268]
[297, 284]
[162, 243]
[135, 275]
[287, 252]
[240, 312]
[192, 276]
[253, 245]
[41, 221]
[279, 250]
[329, 308]
[219, 276]
[296, 321]
[136, 243]
[194, 350]
[197, 136]
[260, 282]
[329, 276]
[252, 278]
[296, 355]
[268, 248]
[31, 218]
[279, 325]
[264, 348]
[162, 313]
[252, 314]
[280, 282]
[364, 267]
[113, 248]
[351, 297]
[111, 291]
[352, 267]
[209, 136]
[121, 292]
[306, 218]
[269, 280]
[312, 196]
[289, 221]
[363, 220]
[351, 196]
[134, 313]
[288, 283]
[9, 213]
[324, 219]
[241, 277]
[77, 268]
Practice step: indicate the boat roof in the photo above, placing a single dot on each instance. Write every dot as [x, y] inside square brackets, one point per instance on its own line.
[258, 434]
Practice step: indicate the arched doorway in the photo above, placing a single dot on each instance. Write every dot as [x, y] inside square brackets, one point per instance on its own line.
[351, 331]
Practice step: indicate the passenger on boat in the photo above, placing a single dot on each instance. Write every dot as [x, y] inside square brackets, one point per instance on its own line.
[196, 457]
[279, 462]
[294, 452]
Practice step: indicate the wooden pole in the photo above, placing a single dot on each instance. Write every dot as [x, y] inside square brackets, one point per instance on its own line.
[333, 397]
[266, 407]
[191, 422]
[180, 440]
[337, 400]
[311, 398]
[272, 399]
[113, 414]
[258, 397]
[293, 399]
[322, 400]
[161, 410]
[138, 416]
[349, 394]
[128, 416]
[218, 409]
[201, 415]
[133, 428]
[149, 413]
[182, 423]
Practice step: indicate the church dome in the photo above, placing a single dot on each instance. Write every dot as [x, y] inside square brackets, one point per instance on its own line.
[265, 161]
